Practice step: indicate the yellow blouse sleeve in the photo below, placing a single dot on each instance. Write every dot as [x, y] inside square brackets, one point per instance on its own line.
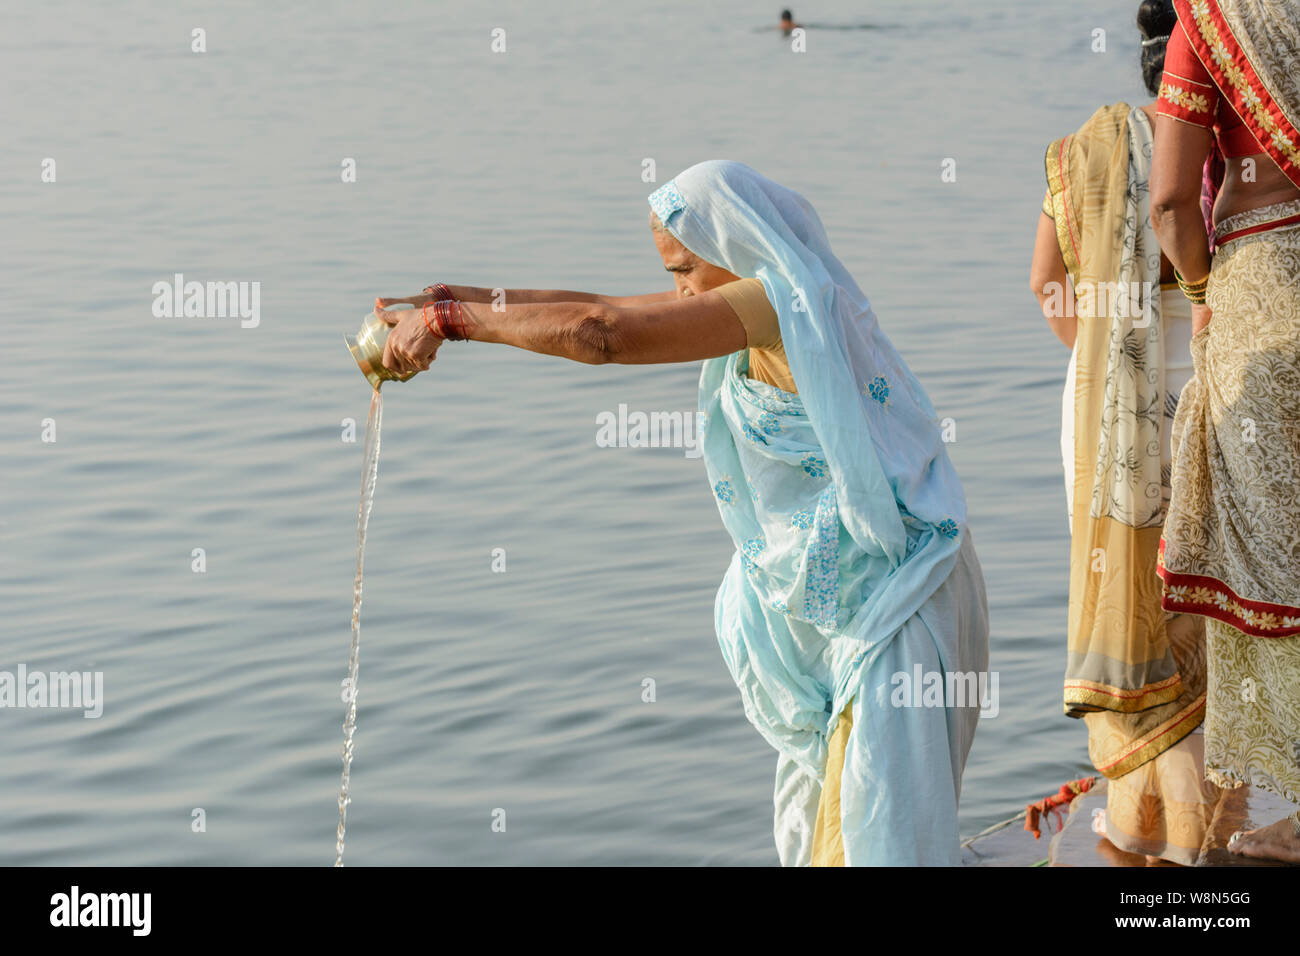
[1047, 204]
[748, 300]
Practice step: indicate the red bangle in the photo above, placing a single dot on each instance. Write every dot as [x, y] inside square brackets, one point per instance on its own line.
[449, 320]
[424, 314]
[440, 292]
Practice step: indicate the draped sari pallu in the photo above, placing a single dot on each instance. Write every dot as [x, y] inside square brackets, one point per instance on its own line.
[1135, 674]
[1120, 659]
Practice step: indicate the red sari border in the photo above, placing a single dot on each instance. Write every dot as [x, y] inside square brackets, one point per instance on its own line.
[1199, 17]
[1227, 237]
[1210, 597]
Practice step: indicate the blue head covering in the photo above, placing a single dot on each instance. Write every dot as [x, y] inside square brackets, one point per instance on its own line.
[846, 511]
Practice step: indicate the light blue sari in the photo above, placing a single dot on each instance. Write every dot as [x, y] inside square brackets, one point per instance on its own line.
[849, 521]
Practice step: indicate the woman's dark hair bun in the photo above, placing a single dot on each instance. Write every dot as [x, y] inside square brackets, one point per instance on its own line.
[1156, 20]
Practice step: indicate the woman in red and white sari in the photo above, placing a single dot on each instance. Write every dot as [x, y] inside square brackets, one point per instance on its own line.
[1231, 545]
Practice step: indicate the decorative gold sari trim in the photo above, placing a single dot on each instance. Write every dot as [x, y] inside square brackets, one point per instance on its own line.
[1061, 214]
[1158, 739]
[1083, 695]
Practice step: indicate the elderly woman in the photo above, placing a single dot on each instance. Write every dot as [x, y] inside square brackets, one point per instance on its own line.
[854, 575]
[1229, 551]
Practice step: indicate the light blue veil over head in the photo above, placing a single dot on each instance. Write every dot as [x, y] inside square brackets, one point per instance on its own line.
[846, 511]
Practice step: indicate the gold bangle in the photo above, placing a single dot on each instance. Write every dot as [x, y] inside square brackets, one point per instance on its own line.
[1194, 291]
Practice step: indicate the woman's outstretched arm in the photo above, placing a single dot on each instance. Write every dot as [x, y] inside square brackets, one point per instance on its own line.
[660, 331]
[469, 293]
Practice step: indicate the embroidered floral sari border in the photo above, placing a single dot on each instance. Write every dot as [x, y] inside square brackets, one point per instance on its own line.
[1180, 98]
[1209, 597]
[1224, 59]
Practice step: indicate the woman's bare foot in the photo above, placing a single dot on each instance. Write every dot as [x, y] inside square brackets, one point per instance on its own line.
[1277, 841]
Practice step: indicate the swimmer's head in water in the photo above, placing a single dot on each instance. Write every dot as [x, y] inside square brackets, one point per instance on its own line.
[691, 274]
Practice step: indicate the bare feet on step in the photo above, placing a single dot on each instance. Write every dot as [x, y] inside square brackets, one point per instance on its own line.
[1277, 841]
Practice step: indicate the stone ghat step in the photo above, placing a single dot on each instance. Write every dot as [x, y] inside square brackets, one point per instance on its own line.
[1073, 843]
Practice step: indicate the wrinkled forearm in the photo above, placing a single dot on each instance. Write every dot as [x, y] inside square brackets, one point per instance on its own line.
[580, 331]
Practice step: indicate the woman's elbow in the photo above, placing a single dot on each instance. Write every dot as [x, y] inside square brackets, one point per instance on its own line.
[1169, 205]
[1038, 282]
[1045, 282]
[595, 338]
[1163, 212]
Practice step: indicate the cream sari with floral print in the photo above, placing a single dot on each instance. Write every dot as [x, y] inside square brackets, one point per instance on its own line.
[1135, 673]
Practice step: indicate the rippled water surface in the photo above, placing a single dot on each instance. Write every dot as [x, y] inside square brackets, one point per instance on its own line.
[481, 692]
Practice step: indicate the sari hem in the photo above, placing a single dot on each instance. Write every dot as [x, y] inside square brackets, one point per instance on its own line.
[1082, 697]
[1230, 779]
[1207, 596]
[1158, 740]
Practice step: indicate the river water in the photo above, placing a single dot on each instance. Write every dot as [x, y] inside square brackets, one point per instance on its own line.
[188, 533]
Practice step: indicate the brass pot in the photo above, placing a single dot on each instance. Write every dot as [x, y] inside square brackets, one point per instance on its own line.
[367, 348]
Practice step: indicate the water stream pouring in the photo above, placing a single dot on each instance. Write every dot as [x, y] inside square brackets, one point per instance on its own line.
[367, 348]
